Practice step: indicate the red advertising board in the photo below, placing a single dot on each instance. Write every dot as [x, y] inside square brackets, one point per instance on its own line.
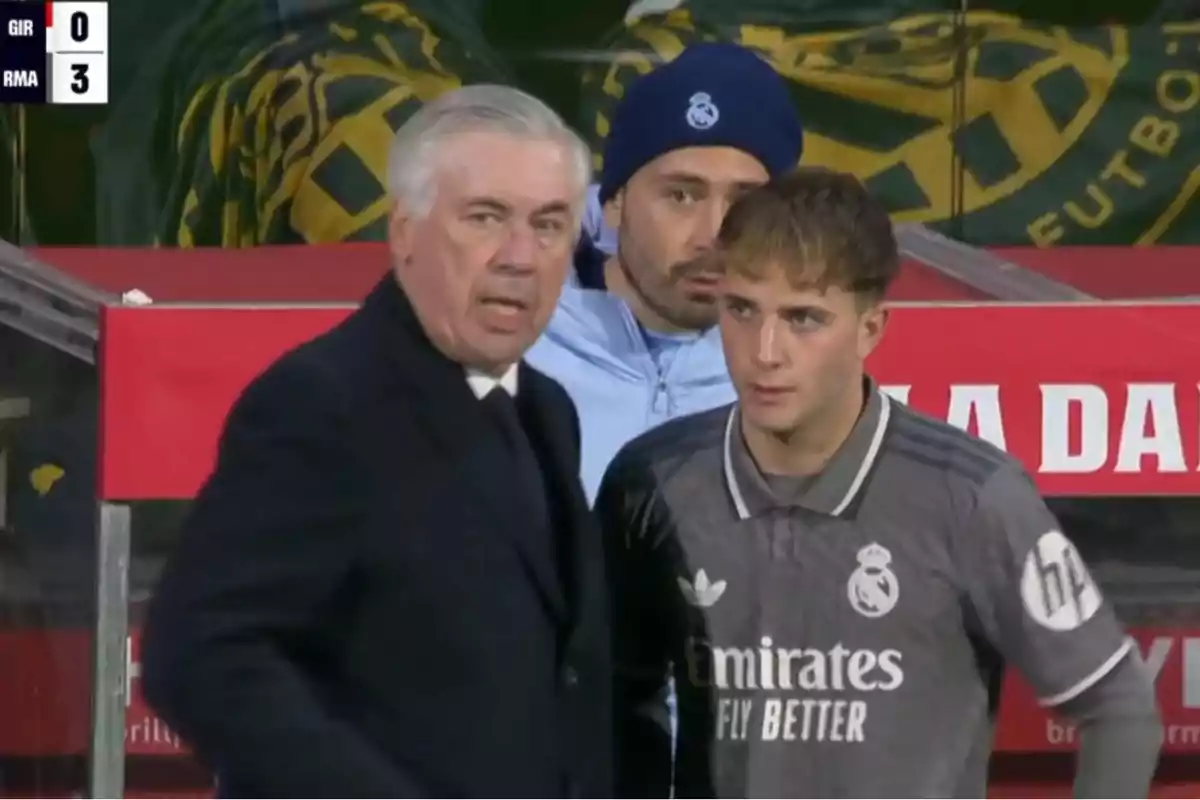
[44, 693]
[1096, 400]
[1173, 655]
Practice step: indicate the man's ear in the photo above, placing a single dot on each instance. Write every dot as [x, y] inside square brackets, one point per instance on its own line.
[612, 210]
[399, 233]
[871, 327]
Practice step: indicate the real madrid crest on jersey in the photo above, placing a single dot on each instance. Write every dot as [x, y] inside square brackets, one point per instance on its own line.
[873, 589]
[702, 112]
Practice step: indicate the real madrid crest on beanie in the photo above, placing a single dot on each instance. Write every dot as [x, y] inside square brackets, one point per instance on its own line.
[713, 94]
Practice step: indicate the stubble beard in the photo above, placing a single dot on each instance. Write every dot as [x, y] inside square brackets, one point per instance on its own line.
[689, 311]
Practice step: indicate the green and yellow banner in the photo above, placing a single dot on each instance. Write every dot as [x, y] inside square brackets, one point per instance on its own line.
[1055, 135]
[286, 141]
[988, 127]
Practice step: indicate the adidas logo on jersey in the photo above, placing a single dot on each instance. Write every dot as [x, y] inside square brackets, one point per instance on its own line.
[700, 593]
[809, 669]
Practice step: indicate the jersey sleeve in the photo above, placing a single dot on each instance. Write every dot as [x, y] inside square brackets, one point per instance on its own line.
[627, 509]
[1032, 595]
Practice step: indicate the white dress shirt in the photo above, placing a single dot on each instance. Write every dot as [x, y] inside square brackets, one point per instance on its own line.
[481, 383]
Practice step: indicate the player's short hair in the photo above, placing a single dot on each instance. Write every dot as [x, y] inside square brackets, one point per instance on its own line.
[821, 227]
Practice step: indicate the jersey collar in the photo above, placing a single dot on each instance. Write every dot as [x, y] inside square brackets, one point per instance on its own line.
[838, 485]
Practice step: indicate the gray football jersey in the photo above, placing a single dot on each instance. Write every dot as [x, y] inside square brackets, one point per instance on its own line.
[845, 638]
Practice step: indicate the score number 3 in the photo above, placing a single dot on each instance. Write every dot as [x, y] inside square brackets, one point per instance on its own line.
[79, 78]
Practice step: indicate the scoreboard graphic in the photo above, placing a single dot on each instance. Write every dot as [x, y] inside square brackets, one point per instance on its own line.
[54, 52]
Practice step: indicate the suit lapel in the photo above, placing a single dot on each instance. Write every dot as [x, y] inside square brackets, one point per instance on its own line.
[552, 429]
[454, 419]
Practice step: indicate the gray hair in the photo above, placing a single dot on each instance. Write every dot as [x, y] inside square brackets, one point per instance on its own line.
[412, 159]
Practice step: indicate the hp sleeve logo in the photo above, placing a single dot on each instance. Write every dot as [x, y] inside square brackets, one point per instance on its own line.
[1056, 588]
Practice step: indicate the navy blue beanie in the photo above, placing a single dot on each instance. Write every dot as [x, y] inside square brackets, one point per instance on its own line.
[713, 94]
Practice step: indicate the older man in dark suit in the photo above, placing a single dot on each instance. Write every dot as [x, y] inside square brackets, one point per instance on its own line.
[390, 586]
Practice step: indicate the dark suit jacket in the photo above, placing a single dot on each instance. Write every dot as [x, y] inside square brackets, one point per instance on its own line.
[355, 610]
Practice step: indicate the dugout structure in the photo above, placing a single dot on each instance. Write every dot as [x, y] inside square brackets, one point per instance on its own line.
[1099, 398]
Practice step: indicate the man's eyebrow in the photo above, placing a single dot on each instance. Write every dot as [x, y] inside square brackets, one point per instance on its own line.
[737, 298]
[805, 308]
[487, 204]
[690, 179]
[553, 207]
[683, 177]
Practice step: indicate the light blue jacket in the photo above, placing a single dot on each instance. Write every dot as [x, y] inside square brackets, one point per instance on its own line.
[595, 348]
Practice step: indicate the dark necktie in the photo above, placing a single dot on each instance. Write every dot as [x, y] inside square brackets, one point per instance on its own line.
[501, 406]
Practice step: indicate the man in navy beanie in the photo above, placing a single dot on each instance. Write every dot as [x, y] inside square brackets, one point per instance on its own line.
[633, 340]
